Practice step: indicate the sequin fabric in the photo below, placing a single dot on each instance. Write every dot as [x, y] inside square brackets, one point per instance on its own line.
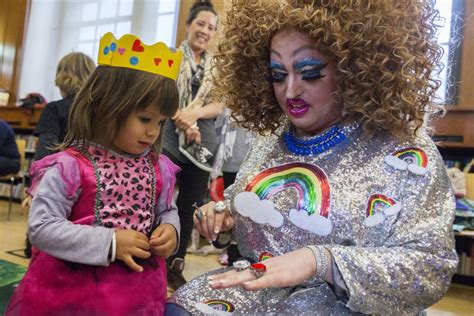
[400, 261]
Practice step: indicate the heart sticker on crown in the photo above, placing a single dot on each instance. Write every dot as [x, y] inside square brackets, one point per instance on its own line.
[137, 46]
[157, 61]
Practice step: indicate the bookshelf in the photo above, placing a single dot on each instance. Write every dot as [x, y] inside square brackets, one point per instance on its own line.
[465, 249]
[454, 134]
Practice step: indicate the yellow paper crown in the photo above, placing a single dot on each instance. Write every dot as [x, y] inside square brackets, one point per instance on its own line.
[130, 52]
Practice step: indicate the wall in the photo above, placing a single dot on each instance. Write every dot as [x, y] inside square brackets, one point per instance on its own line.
[13, 18]
[37, 71]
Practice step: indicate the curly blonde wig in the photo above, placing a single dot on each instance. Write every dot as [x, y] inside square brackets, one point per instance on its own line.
[384, 52]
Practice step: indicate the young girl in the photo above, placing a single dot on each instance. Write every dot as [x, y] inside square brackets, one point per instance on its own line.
[102, 215]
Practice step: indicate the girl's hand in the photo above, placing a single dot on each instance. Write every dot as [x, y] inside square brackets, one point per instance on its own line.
[212, 223]
[26, 203]
[290, 269]
[163, 240]
[186, 118]
[131, 244]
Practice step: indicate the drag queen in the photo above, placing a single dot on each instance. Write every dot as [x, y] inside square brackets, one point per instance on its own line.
[343, 205]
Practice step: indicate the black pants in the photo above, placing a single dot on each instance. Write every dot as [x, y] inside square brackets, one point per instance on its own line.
[192, 183]
[229, 178]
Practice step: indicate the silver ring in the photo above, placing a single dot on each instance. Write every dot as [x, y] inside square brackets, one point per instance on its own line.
[219, 207]
[200, 214]
[241, 265]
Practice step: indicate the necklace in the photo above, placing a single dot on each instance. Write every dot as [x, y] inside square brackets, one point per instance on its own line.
[313, 145]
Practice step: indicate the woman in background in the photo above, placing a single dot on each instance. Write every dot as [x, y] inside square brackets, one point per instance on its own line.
[190, 139]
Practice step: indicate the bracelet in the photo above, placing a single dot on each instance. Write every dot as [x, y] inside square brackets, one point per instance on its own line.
[114, 248]
[319, 254]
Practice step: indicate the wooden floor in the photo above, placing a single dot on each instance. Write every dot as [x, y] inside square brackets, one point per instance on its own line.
[459, 300]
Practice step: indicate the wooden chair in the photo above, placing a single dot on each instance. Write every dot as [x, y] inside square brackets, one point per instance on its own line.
[21, 144]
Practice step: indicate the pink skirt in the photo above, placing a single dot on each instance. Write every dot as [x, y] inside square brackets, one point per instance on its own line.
[56, 287]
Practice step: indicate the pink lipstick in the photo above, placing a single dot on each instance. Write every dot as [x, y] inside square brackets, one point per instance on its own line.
[297, 107]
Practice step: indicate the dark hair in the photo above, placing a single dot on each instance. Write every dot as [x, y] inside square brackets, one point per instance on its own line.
[110, 95]
[198, 6]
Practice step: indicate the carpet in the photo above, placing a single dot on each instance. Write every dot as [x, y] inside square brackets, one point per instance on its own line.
[10, 276]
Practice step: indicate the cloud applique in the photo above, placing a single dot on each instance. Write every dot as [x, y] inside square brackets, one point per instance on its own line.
[314, 223]
[216, 307]
[396, 162]
[412, 159]
[248, 204]
[374, 220]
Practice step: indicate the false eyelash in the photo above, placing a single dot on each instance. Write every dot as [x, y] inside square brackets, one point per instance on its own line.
[313, 76]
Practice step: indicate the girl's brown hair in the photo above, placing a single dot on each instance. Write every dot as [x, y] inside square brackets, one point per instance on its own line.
[384, 51]
[111, 94]
[72, 72]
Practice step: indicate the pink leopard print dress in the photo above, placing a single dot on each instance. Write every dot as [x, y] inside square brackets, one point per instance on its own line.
[119, 192]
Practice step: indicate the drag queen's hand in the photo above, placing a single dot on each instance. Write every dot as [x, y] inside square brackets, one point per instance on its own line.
[210, 223]
[290, 269]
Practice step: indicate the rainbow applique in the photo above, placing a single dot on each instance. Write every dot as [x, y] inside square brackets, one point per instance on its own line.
[379, 206]
[216, 307]
[265, 255]
[309, 181]
[311, 185]
[412, 159]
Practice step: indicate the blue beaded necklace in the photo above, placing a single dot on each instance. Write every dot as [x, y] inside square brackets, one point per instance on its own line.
[314, 145]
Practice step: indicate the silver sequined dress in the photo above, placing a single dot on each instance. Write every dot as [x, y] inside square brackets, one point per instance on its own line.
[383, 208]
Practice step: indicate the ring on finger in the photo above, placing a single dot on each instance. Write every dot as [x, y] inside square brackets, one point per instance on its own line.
[219, 207]
[241, 265]
[200, 214]
[258, 269]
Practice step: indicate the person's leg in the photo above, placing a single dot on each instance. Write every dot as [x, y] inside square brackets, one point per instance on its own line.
[192, 189]
[232, 251]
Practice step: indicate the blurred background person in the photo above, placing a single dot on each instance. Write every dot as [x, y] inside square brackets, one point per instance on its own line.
[189, 138]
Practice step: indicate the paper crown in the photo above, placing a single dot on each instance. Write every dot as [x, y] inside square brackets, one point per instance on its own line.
[130, 52]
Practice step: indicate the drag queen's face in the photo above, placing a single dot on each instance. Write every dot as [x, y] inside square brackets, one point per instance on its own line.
[303, 82]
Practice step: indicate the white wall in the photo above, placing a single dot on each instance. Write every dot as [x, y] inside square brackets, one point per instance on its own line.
[39, 55]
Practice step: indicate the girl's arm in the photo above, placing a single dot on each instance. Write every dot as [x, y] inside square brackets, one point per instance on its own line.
[52, 232]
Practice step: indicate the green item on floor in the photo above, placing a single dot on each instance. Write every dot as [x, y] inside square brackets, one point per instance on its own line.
[10, 276]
